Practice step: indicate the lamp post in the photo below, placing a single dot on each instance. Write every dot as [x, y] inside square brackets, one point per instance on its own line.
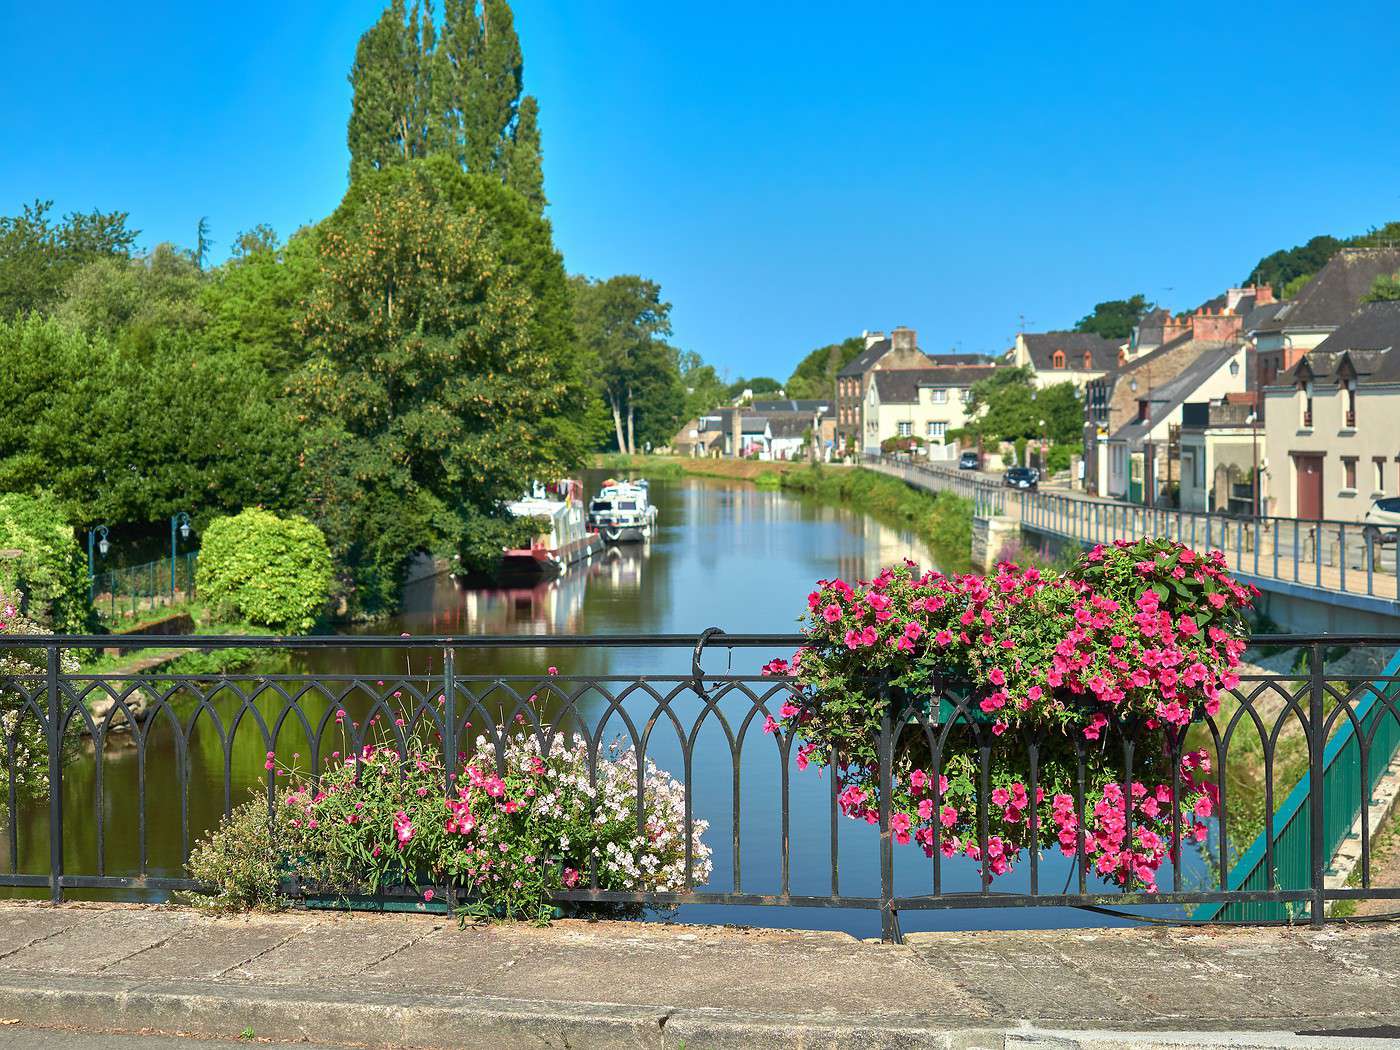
[180, 522]
[1044, 448]
[96, 537]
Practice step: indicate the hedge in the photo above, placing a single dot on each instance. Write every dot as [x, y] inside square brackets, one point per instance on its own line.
[265, 570]
[51, 570]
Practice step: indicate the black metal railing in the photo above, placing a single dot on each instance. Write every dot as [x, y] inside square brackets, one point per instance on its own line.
[141, 764]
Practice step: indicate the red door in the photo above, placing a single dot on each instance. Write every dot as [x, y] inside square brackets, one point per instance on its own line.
[1309, 468]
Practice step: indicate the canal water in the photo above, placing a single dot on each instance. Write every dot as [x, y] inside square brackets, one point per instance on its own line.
[724, 554]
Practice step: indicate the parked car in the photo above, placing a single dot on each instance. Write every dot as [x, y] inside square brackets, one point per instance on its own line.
[1382, 520]
[968, 461]
[1021, 478]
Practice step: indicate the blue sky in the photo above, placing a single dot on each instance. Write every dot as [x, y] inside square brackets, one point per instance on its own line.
[791, 173]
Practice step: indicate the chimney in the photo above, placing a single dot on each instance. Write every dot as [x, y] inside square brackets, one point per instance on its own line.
[1174, 327]
[1263, 294]
[1218, 327]
[902, 338]
[871, 338]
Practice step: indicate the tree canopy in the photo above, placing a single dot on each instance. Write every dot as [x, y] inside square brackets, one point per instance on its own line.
[1283, 268]
[424, 385]
[38, 256]
[1385, 289]
[1006, 405]
[421, 89]
[815, 374]
[1114, 318]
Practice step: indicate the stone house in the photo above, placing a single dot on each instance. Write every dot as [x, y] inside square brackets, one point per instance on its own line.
[927, 403]
[899, 351]
[1221, 453]
[1332, 422]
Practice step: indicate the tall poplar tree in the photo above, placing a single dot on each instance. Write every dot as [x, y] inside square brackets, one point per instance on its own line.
[421, 91]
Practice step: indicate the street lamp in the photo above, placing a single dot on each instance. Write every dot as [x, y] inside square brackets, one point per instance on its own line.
[97, 537]
[180, 522]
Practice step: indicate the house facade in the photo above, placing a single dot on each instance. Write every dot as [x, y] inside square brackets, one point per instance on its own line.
[927, 403]
[1332, 422]
[1064, 357]
[899, 350]
[1221, 454]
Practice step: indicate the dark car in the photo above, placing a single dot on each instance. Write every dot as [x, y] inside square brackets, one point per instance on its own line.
[1021, 478]
[968, 461]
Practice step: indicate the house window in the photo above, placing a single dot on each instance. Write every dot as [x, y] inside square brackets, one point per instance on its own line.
[1142, 411]
[1351, 403]
[937, 430]
[1349, 473]
[1378, 474]
[939, 397]
[1088, 360]
[906, 429]
[1307, 403]
[966, 396]
[1057, 360]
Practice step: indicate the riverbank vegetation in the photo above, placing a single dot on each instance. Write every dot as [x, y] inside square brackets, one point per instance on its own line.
[942, 521]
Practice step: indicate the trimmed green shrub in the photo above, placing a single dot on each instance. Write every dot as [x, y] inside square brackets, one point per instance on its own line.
[51, 571]
[270, 571]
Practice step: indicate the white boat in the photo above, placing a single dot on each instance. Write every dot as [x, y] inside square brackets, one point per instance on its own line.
[622, 512]
[564, 541]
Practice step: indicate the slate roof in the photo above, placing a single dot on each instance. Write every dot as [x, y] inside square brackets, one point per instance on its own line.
[807, 405]
[1334, 294]
[961, 359]
[1368, 340]
[902, 385]
[1176, 390]
[860, 364]
[1042, 346]
[789, 424]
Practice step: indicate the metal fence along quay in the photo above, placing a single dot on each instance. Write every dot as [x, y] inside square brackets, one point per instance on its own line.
[1341, 557]
[141, 765]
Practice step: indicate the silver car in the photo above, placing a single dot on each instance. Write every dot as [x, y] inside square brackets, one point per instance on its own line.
[1382, 520]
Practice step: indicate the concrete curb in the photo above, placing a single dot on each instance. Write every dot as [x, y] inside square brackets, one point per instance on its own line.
[434, 1020]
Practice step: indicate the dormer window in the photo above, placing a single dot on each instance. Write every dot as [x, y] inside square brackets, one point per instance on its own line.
[1088, 360]
[1350, 395]
[1307, 390]
[1057, 359]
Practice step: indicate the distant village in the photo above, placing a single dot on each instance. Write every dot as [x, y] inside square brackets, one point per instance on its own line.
[1248, 405]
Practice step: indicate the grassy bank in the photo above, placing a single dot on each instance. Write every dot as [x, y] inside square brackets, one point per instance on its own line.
[941, 520]
[679, 466]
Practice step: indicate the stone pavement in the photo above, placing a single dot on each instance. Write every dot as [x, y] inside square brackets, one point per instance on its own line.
[419, 981]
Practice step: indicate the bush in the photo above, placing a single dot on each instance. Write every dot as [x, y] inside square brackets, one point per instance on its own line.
[506, 838]
[52, 570]
[270, 571]
[240, 863]
[20, 728]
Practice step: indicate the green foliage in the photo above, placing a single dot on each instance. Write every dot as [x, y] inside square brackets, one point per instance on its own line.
[421, 90]
[941, 520]
[51, 571]
[425, 385]
[239, 864]
[1006, 406]
[1114, 318]
[253, 302]
[758, 385]
[135, 299]
[1385, 289]
[26, 749]
[815, 374]
[621, 324]
[38, 255]
[704, 389]
[271, 571]
[135, 433]
[1288, 269]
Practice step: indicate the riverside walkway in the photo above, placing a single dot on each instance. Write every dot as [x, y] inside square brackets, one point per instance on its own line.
[1326, 560]
[411, 980]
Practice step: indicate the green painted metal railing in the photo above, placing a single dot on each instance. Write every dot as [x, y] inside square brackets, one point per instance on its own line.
[128, 592]
[1342, 801]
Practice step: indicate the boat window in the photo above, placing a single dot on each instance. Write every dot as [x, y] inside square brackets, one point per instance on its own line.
[627, 504]
[600, 504]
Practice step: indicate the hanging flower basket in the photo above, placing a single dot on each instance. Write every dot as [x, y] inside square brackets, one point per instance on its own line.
[1026, 710]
